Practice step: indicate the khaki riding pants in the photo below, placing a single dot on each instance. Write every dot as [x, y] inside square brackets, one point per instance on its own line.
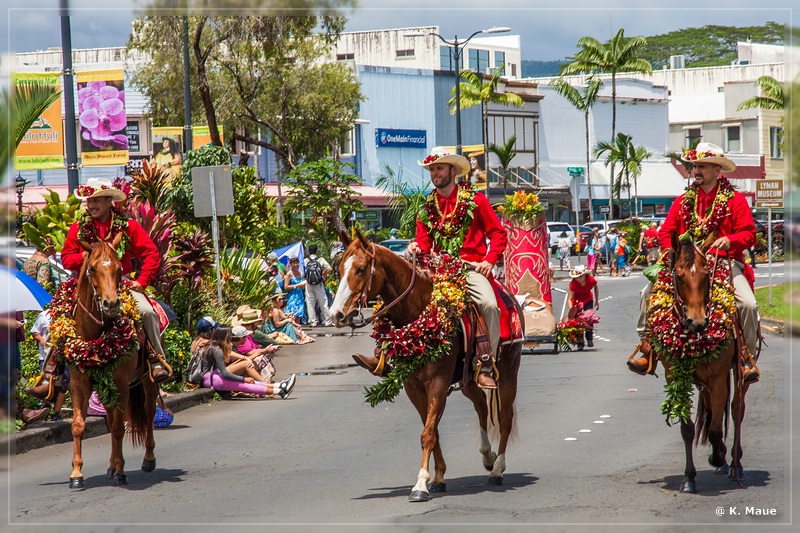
[746, 308]
[482, 295]
[149, 321]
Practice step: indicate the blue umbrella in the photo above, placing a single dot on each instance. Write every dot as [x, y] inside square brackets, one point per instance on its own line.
[24, 293]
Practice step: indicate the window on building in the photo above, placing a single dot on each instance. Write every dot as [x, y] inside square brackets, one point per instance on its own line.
[478, 60]
[733, 138]
[347, 143]
[776, 142]
[500, 62]
[513, 70]
[405, 53]
[446, 58]
[345, 57]
[692, 136]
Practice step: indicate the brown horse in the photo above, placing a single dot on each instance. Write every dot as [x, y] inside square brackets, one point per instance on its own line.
[714, 379]
[97, 306]
[368, 271]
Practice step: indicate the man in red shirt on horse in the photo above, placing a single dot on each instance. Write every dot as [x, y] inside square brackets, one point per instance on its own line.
[461, 224]
[735, 232]
[102, 221]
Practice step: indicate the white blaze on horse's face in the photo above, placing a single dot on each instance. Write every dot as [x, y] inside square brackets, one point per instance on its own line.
[337, 310]
[106, 263]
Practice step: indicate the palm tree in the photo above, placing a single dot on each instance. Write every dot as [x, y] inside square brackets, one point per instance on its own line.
[505, 154]
[617, 55]
[583, 100]
[772, 95]
[636, 157]
[617, 154]
[406, 201]
[474, 91]
[30, 99]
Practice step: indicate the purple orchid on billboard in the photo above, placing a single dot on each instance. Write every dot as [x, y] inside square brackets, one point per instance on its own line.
[101, 108]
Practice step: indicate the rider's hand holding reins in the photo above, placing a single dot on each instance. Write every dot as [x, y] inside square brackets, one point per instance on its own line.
[484, 268]
[136, 286]
[723, 243]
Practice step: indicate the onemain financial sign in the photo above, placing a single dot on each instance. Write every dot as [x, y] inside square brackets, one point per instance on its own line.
[385, 138]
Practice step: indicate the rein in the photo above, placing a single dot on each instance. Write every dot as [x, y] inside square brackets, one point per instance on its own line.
[363, 298]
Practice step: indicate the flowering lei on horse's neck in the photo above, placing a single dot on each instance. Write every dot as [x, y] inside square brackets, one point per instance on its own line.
[427, 338]
[449, 231]
[685, 350]
[87, 230]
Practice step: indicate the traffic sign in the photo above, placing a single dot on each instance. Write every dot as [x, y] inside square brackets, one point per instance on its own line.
[575, 171]
[769, 194]
[604, 209]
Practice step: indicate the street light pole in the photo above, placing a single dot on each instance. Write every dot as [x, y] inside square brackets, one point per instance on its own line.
[458, 49]
[19, 182]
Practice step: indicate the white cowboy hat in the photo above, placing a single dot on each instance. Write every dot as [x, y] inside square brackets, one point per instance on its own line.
[439, 154]
[99, 187]
[578, 271]
[709, 153]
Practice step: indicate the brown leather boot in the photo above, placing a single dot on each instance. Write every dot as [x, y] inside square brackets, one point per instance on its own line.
[647, 363]
[376, 365]
[158, 372]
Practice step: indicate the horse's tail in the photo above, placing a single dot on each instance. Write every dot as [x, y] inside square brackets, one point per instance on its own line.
[137, 416]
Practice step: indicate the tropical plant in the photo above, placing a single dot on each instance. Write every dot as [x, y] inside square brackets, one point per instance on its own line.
[406, 201]
[244, 280]
[582, 99]
[150, 184]
[521, 205]
[475, 91]
[505, 154]
[50, 224]
[323, 189]
[772, 95]
[676, 156]
[193, 260]
[619, 54]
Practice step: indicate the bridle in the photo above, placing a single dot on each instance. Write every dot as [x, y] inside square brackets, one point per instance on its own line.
[363, 298]
[678, 307]
[95, 296]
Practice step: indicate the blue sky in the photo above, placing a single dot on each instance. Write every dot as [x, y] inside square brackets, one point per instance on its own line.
[549, 31]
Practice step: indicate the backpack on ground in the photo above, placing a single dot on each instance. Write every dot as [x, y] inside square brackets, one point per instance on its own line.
[194, 369]
[313, 272]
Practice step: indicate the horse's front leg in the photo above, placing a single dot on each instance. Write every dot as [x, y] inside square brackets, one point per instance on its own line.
[689, 472]
[715, 399]
[430, 405]
[737, 410]
[79, 390]
[150, 394]
[116, 422]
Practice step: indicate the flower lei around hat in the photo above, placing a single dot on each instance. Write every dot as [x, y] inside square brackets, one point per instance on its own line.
[87, 231]
[449, 231]
[85, 190]
[98, 357]
[426, 339]
[694, 155]
[431, 159]
[682, 349]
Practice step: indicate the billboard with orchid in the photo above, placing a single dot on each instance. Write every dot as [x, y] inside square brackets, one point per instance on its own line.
[102, 119]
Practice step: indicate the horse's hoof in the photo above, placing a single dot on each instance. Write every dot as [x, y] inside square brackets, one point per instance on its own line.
[120, 479]
[76, 483]
[736, 473]
[723, 469]
[110, 473]
[148, 466]
[418, 496]
[438, 487]
[495, 480]
[689, 487]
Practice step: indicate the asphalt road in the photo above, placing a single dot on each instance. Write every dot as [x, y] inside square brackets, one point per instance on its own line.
[324, 457]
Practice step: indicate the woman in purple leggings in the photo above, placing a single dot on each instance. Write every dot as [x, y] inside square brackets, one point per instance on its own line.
[221, 374]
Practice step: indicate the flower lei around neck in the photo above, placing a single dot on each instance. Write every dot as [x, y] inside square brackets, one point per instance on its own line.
[87, 230]
[449, 231]
[684, 350]
[426, 339]
[98, 357]
[699, 229]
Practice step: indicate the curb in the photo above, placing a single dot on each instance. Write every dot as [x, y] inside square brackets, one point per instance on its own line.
[48, 433]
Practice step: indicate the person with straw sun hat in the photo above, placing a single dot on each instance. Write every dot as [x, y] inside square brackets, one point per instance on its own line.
[459, 222]
[583, 295]
[102, 221]
[710, 207]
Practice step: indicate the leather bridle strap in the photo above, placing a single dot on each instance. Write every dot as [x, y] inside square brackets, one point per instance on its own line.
[362, 300]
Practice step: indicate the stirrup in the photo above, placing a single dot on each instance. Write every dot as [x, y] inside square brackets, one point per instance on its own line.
[652, 360]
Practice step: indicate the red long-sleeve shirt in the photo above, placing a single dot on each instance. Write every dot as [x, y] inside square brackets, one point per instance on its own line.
[485, 225]
[140, 246]
[737, 224]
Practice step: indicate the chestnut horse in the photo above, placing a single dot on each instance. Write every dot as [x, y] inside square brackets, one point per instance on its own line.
[714, 379]
[97, 307]
[368, 271]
